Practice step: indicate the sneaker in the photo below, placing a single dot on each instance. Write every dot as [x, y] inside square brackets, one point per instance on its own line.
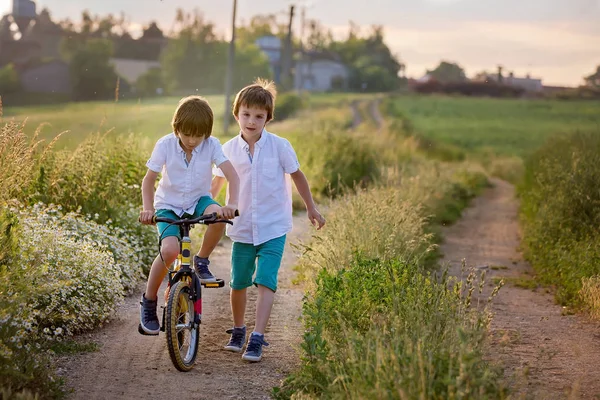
[237, 340]
[254, 349]
[202, 270]
[148, 319]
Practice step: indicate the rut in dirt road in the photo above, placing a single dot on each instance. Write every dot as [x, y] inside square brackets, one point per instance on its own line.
[545, 355]
[130, 366]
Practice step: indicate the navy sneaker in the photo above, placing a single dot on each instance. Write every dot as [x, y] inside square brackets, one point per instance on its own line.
[237, 340]
[253, 351]
[201, 266]
[149, 324]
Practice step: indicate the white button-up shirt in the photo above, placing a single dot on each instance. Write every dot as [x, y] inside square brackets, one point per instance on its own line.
[182, 183]
[265, 199]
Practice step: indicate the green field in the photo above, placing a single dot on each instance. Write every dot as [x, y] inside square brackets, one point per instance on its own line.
[506, 126]
[150, 117]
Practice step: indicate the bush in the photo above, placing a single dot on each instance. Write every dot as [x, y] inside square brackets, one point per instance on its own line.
[561, 212]
[287, 105]
[67, 277]
[100, 178]
[335, 161]
[379, 329]
[9, 80]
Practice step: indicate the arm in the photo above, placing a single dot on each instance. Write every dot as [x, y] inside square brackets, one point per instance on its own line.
[304, 190]
[234, 188]
[216, 185]
[148, 197]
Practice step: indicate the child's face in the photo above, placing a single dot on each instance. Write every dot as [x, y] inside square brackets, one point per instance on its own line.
[252, 121]
[188, 142]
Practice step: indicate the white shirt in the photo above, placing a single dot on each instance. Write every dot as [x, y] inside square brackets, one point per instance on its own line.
[182, 183]
[265, 199]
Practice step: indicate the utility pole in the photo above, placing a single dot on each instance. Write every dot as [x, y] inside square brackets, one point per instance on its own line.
[229, 74]
[289, 52]
[302, 23]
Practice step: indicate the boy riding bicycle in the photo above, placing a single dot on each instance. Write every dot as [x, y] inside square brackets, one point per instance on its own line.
[185, 158]
[263, 161]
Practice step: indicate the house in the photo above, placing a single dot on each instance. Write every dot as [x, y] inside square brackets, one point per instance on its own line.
[131, 70]
[272, 47]
[320, 72]
[529, 84]
[47, 77]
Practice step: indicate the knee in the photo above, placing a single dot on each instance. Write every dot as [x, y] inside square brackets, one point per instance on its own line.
[169, 251]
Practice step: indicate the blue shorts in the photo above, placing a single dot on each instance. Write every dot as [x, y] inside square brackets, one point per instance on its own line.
[265, 259]
[166, 230]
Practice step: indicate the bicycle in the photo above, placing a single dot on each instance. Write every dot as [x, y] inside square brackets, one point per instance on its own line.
[182, 312]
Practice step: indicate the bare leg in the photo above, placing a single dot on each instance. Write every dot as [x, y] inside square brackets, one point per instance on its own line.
[238, 306]
[264, 304]
[158, 271]
[213, 234]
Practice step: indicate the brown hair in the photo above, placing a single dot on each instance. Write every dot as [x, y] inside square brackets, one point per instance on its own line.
[260, 94]
[193, 117]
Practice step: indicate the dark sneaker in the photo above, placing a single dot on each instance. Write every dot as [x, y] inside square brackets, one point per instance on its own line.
[237, 340]
[148, 319]
[254, 349]
[201, 265]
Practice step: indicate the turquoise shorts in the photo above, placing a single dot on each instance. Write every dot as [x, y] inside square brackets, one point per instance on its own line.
[166, 230]
[265, 259]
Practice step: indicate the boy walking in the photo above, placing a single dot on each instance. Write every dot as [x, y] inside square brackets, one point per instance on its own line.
[263, 161]
[185, 158]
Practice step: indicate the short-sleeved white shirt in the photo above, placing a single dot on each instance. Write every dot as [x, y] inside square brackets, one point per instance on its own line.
[182, 183]
[265, 199]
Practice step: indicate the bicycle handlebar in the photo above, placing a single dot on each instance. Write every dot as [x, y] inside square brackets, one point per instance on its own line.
[203, 219]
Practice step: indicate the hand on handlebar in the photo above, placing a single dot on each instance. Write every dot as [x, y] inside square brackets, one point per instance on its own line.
[228, 212]
[146, 217]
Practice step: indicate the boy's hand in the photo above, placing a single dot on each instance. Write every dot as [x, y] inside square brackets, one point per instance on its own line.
[228, 212]
[146, 217]
[315, 218]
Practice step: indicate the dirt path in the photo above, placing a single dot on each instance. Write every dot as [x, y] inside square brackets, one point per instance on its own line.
[546, 355]
[131, 366]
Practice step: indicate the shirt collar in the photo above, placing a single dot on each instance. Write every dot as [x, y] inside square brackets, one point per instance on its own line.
[261, 142]
[180, 149]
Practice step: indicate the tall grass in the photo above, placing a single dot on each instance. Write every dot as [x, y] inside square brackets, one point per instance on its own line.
[378, 325]
[64, 268]
[561, 214]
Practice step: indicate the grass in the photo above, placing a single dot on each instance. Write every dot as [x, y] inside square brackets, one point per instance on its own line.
[508, 127]
[151, 117]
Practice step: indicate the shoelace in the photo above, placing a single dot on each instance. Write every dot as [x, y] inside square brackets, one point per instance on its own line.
[255, 344]
[150, 314]
[237, 336]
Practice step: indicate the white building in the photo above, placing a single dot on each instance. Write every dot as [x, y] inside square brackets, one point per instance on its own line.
[317, 72]
[130, 69]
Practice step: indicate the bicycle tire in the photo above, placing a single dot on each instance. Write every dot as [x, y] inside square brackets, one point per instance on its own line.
[183, 336]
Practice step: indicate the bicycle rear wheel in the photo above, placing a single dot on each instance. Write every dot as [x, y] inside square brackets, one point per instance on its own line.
[183, 334]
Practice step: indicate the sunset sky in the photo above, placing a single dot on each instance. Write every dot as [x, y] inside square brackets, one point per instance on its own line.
[556, 40]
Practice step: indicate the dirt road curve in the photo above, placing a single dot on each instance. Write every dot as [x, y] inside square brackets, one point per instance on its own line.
[546, 355]
[132, 366]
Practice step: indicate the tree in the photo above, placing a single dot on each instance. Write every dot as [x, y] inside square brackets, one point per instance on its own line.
[148, 84]
[372, 65]
[448, 72]
[594, 79]
[9, 79]
[92, 75]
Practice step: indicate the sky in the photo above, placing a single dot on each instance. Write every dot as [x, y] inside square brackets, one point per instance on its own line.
[556, 40]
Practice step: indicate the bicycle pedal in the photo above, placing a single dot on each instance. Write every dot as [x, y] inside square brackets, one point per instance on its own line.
[216, 284]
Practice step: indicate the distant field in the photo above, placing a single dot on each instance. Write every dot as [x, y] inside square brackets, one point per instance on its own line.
[506, 126]
[150, 117]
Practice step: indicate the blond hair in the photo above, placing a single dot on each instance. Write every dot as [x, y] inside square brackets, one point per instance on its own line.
[193, 117]
[261, 94]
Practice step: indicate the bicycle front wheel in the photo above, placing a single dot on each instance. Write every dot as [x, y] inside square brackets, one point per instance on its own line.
[183, 334]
